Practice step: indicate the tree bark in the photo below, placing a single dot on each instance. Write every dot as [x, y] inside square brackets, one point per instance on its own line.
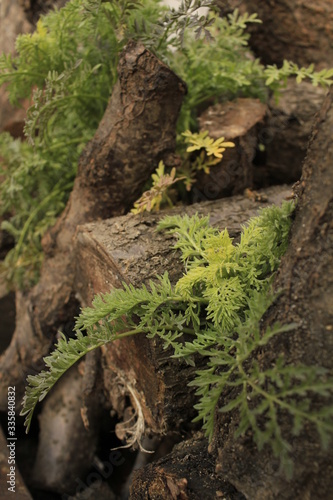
[285, 133]
[188, 473]
[297, 30]
[306, 281]
[237, 121]
[136, 132]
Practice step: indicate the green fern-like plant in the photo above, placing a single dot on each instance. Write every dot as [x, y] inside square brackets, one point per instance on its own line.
[222, 67]
[217, 305]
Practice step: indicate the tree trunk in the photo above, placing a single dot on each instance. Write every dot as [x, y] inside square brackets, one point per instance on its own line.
[136, 132]
[306, 279]
[297, 30]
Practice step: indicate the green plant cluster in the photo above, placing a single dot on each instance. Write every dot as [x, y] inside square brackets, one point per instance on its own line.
[67, 69]
[213, 311]
[33, 194]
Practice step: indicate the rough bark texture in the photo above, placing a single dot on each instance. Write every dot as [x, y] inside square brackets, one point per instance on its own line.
[285, 133]
[188, 473]
[65, 448]
[129, 249]
[236, 121]
[306, 279]
[12, 22]
[136, 132]
[298, 30]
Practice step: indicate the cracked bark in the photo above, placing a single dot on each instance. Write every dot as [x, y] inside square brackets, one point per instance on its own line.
[297, 30]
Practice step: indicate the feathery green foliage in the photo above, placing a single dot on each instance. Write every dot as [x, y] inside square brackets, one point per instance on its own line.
[34, 194]
[217, 305]
[71, 63]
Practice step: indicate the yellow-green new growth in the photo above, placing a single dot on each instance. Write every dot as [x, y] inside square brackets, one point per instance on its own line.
[201, 140]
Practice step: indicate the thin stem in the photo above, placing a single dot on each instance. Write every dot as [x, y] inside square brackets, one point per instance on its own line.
[21, 74]
[78, 140]
[56, 102]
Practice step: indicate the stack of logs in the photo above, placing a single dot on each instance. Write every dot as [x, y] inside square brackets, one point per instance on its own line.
[95, 246]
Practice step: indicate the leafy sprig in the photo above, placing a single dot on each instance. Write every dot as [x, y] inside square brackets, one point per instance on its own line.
[201, 140]
[275, 77]
[34, 191]
[158, 193]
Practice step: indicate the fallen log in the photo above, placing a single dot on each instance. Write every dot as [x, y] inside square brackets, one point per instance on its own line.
[136, 132]
[137, 378]
[270, 140]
